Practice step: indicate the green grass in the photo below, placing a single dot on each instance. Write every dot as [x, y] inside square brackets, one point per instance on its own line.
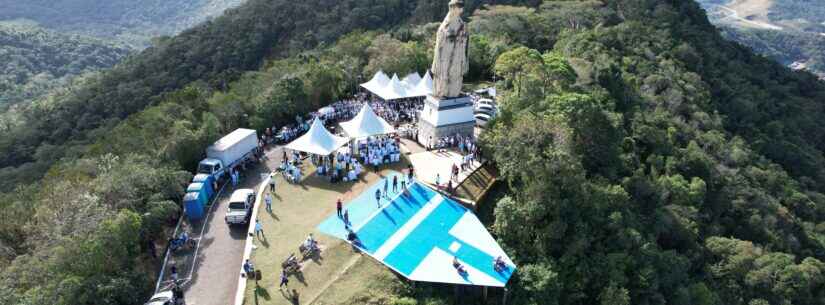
[297, 210]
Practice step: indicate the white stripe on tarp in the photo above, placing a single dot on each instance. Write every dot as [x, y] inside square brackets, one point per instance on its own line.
[408, 227]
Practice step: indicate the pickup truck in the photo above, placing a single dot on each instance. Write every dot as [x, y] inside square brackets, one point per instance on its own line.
[234, 149]
[240, 207]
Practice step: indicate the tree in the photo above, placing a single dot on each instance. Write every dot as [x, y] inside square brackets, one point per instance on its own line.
[613, 295]
[517, 65]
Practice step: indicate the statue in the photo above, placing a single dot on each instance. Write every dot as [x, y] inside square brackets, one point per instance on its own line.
[450, 61]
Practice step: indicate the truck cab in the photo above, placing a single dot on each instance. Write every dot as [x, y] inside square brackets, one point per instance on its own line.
[211, 167]
[233, 150]
[239, 210]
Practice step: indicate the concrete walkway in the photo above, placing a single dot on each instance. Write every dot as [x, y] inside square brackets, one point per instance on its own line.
[428, 164]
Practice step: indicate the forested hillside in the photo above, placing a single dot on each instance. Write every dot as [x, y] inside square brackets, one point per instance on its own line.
[36, 60]
[133, 23]
[45, 44]
[93, 174]
[645, 159]
[789, 31]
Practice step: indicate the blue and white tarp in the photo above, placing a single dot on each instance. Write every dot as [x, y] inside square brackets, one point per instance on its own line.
[419, 234]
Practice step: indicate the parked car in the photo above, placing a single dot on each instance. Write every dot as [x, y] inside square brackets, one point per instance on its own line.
[162, 298]
[482, 119]
[239, 210]
[485, 109]
[486, 101]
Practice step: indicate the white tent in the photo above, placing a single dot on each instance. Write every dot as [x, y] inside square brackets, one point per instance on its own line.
[366, 124]
[318, 140]
[411, 80]
[425, 86]
[377, 83]
[396, 89]
[392, 88]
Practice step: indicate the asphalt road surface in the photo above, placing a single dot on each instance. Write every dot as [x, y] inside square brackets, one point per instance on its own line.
[214, 279]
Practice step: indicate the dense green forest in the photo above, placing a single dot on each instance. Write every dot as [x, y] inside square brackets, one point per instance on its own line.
[37, 60]
[133, 23]
[645, 159]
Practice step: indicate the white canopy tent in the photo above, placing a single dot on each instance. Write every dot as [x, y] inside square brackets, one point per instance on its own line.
[387, 88]
[366, 124]
[377, 83]
[412, 79]
[318, 140]
[425, 85]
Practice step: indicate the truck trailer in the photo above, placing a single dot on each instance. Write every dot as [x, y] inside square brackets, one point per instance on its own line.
[231, 150]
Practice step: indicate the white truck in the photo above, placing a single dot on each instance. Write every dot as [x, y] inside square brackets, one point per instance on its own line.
[233, 149]
[240, 207]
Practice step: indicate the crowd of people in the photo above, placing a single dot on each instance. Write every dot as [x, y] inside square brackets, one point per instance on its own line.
[379, 150]
[341, 166]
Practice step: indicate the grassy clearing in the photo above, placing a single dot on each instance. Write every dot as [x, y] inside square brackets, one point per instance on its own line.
[297, 210]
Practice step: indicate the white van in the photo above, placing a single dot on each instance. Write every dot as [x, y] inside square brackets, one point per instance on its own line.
[482, 119]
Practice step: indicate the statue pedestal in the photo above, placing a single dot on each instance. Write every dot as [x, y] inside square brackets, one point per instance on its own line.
[445, 117]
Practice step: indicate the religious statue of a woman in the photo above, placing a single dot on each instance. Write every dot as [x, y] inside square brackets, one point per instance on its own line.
[450, 61]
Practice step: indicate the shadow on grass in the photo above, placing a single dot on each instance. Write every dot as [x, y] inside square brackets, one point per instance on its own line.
[316, 257]
[271, 214]
[300, 277]
[291, 295]
[261, 291]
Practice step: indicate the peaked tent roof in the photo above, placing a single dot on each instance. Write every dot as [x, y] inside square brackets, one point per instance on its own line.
[378, 81]
[411, 80]
[318, 140]
[392, 88]
[425, 86]
[366, 124]
[397, 89]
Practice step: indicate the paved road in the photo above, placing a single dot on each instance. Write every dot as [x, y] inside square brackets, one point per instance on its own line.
[214, 279]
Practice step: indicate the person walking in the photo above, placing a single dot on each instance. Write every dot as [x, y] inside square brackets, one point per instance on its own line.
[378, 197]
[338, 207]
[268, 201]
[284, 280]
[272, 182]
[386, 188]
[174, 273]
[454, 173]
[259, 229]
[410, 172]
[346, 218]
[394, 184]
[437, 179]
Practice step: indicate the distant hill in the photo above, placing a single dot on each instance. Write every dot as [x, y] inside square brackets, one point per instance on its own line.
[131, 22]
[50, 42]
[789, 31]
[37, 60]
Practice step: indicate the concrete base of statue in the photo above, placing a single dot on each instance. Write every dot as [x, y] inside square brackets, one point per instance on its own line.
[443, 117]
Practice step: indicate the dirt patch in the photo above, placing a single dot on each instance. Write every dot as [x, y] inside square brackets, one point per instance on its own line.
[754, 10]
